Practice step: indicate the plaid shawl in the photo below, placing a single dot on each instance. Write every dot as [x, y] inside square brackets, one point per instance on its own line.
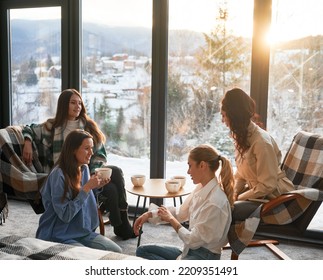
[25, 181]
[49, 142]
[240, 234]
[16, 247]
[303, 165]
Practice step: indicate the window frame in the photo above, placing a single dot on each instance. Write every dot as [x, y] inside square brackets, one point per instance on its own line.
[72, 53]
[70, 44]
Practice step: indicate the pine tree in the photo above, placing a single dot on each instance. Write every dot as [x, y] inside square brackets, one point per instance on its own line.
[222, 63]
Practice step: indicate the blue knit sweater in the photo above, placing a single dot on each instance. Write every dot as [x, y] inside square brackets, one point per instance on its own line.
[73, 218]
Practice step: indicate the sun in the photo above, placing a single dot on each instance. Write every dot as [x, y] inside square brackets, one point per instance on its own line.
[275, 36]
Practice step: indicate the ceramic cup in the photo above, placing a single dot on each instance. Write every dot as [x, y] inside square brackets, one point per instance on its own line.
[181, 179]
[138, 180]
[173, 186]
[104, 172]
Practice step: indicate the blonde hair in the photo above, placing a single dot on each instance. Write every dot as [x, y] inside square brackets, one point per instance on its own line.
[210, 155]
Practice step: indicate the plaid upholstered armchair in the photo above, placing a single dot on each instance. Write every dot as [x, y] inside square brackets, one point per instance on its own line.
[289, 215]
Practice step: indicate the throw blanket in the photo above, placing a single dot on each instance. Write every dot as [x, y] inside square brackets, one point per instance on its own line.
[16, 247]
[24, 181]
[303, 165]
[241, 233]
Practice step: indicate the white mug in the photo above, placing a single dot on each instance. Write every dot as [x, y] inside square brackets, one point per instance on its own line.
[103, 172]
[172, 186]
[181, 179]
[138, 180]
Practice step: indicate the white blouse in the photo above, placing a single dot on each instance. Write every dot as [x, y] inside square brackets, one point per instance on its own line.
[209, 214]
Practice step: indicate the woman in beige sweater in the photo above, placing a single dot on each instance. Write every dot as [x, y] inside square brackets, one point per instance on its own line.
[257, 155]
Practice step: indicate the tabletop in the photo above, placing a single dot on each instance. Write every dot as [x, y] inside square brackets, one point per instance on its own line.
[155, 188]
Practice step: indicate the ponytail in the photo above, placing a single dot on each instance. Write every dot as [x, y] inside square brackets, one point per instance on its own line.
[210, 155]
[227, 179]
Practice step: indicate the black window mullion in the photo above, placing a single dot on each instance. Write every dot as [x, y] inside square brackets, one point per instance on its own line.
[260, 57]
[159, 90]
[71, 44]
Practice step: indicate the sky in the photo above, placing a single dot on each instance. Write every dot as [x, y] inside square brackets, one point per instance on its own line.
[298, 18]
[197, 15]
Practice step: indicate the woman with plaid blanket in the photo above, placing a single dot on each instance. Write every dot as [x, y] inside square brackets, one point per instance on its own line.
[49, 138]
[257, 155]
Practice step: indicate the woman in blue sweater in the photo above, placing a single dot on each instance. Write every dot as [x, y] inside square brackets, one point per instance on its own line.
[49, 137]
[71, 214]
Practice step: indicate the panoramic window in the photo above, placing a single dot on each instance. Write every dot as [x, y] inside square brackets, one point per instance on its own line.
[296, 71]
[116, 78]
[209, 53]
[35, 63]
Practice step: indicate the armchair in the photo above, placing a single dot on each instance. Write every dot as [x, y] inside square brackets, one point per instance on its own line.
[287, 216]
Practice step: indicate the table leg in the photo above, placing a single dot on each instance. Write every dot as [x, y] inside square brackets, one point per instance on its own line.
[144, 205]
[139, 237]
[180, 200]
[140, 231]
[136, 210]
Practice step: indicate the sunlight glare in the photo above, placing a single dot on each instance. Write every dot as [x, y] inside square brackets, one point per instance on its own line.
[202, 15]
[274, 37]
[36, 13]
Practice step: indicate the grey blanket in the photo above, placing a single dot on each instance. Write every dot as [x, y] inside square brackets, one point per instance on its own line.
[15, 177]
[16, 247]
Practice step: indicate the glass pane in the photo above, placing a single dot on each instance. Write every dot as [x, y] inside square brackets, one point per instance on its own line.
[35, 63]
[116, 76]
[207, 56]
[296, 70]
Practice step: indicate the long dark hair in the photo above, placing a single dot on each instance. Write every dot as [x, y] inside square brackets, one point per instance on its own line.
[212, 157]
[61, 116]
[68, 163]
[240, 109]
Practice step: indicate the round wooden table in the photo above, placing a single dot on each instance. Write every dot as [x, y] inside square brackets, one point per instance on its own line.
[155, 188]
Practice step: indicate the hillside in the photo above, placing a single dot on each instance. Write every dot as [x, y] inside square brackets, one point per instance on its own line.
[28, 35]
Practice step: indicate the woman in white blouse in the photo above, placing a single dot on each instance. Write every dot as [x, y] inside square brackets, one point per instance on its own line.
[207, 209]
